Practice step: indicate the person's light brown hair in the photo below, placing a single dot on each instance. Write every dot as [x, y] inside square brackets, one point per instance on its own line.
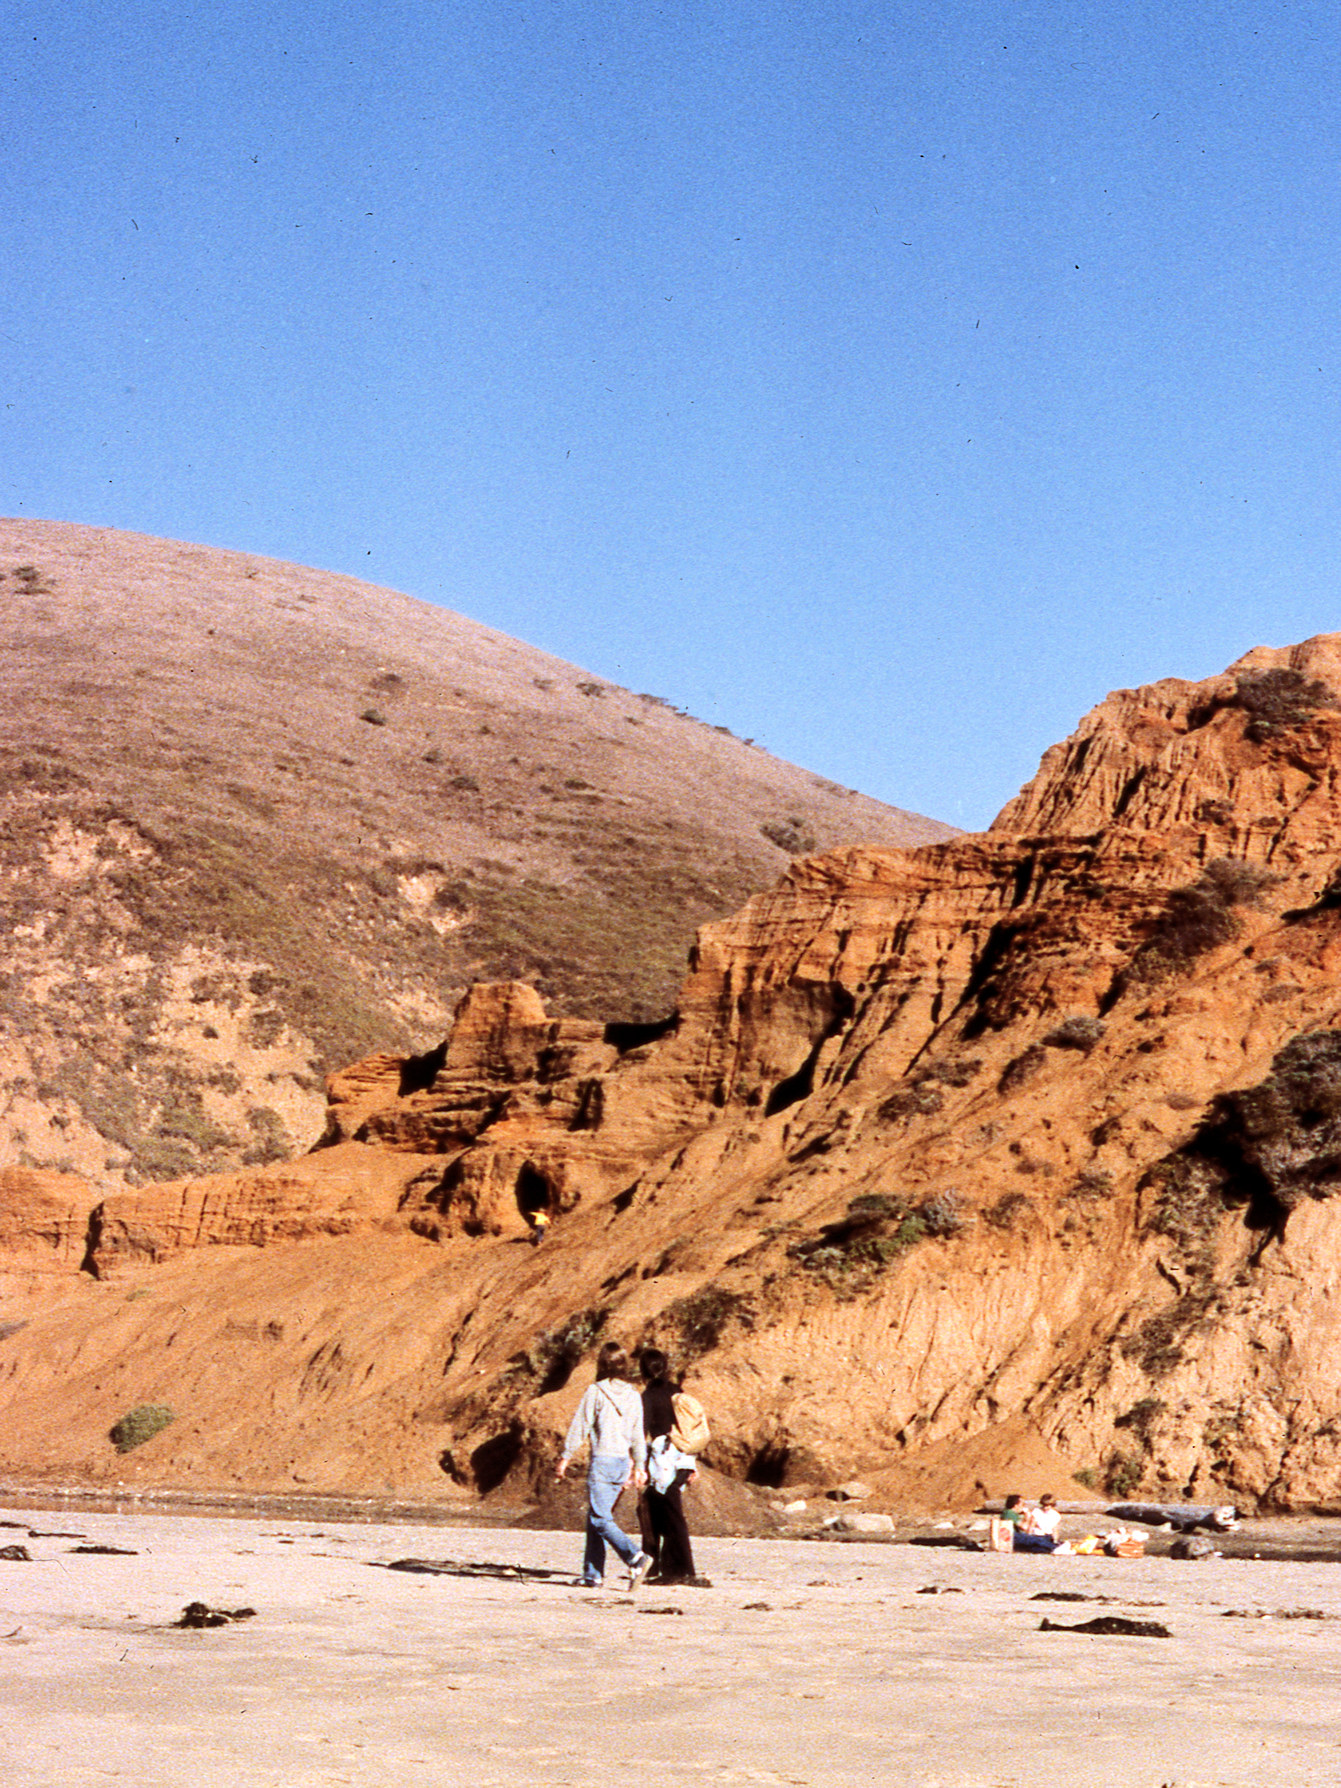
[612, 1361]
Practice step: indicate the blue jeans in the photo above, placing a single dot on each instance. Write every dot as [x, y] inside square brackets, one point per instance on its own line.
[605, 1479]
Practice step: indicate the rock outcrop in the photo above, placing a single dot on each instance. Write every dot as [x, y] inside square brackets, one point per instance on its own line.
[1027, 1140]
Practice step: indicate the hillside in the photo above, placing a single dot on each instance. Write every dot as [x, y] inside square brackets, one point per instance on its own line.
[256, 820]
[1014, 1154]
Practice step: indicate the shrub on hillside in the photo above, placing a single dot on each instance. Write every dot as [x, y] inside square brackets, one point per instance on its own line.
[943, 1215]
[140, 1424]
[1188, 1198]
[703, 1317]
[554, 1356]
[790, 835]
[1277, 700]
[877, 1229]
[920, 1097]
[1279, 1142]
[921, 1090]
[1075, 1033]
[1022, 1069]
[1198, 918]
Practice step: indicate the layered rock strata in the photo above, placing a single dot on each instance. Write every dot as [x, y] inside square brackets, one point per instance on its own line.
[1012, 1134]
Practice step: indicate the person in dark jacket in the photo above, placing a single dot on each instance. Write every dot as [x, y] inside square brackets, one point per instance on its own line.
[665, 1532]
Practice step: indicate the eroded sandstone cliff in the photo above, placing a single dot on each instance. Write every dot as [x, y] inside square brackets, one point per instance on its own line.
[1033, 1133]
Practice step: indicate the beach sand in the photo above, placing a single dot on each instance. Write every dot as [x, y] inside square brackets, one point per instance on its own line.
[806, 1663]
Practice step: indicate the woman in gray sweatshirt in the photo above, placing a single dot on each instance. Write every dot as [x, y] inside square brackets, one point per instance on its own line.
[610, 1416]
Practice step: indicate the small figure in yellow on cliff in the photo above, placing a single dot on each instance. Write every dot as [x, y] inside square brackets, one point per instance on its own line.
[539, 1220]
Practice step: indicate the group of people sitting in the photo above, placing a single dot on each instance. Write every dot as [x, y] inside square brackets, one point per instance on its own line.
[1036, 1528]
[1032, 1529]
[634, 1439]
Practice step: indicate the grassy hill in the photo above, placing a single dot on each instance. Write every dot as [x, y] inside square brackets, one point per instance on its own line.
[257, 820]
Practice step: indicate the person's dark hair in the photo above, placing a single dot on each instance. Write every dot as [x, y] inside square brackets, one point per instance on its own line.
[653, 1364]
[612, 1361]
[1047, 1500]
[1013, 1500]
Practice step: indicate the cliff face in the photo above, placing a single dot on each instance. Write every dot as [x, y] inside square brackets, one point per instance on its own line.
[1029, 1133]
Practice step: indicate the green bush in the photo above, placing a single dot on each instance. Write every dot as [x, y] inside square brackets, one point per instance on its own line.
[140, 1424]
[1122, 1474]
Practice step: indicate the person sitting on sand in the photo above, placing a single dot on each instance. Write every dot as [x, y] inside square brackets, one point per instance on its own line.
[1038, 1531]
[610, 1416]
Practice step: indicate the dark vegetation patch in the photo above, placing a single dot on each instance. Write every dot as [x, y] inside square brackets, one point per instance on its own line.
[1159, 1345]
[1079, 1032]
[1011, 1209]
[921, 1091]
[1022, 1069]
[139, 1425]
[1142, 1416]
[792, 835]
[1196, 919]
[1267, 1147]
[1092, 1182]
[1278, 701]
[700, 1320]
[552, 1358]
[877, 1229]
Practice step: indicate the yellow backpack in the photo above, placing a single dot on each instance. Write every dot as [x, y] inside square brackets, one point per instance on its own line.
[691, 1432]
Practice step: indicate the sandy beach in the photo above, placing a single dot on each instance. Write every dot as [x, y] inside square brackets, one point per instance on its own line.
[806, 1663]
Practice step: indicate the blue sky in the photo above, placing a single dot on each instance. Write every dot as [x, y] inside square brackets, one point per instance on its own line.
[886, 383]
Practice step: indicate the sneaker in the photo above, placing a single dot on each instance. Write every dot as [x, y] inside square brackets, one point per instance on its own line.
[590, 1583]
[638, 1570]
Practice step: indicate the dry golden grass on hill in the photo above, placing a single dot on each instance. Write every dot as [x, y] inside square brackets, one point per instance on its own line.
[256, 820]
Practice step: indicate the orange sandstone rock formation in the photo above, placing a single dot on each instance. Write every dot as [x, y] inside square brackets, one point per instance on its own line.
[1030, 1135]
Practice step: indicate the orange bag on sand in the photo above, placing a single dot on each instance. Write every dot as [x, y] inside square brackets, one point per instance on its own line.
[1129, 1548]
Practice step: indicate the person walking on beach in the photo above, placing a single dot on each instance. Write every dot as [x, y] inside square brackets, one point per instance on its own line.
[665, 1531]
[610, 1416]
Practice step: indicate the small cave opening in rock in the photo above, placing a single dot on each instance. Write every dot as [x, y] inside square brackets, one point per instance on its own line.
[768, 1467]
[534, 1193]
[801, 1083]
[494, 1459]
[631, 1035]
[418, 1072]
[795, 1087]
